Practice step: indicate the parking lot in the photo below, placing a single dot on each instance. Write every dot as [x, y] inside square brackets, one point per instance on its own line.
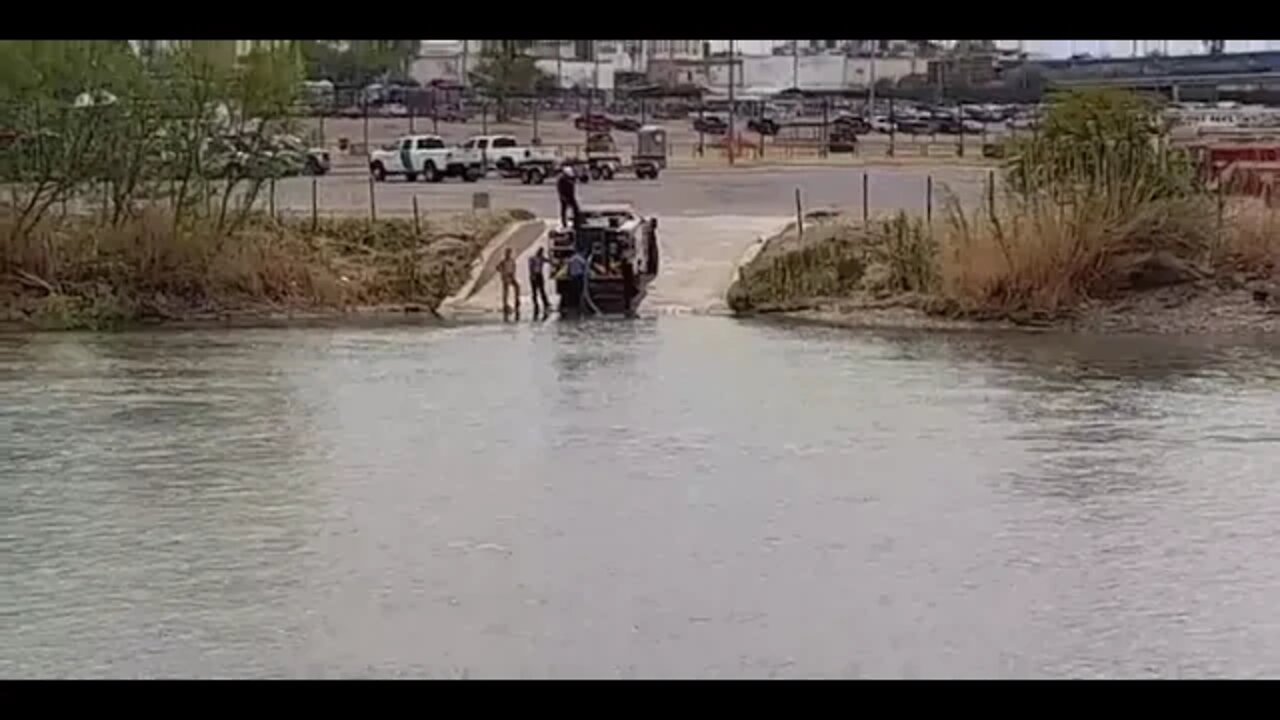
[557, 133]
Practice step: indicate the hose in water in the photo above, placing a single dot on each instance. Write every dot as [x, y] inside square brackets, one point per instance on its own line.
[586, 291]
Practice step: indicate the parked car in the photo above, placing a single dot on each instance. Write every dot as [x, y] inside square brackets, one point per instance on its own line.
[626, 124]
[842, 139]
[414, 155]
[594, 122]
[501, 152]
[711, 125]
[914, 126]
[763, 125]
[454, 115]
[853, 123]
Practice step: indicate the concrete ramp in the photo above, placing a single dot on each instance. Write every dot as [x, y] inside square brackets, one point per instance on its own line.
[700, 257]
[483, 291]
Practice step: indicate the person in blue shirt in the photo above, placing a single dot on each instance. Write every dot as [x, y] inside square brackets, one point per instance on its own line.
[538, 283]
[577, 270]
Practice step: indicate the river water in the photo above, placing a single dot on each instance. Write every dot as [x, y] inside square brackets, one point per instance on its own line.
[680, 496]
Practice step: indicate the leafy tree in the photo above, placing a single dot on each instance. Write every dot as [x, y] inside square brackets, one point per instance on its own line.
[358, 62]
[504, 72]
[56, 105]
[1100, 142]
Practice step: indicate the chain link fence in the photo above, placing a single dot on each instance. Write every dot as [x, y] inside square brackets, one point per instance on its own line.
[353, 121]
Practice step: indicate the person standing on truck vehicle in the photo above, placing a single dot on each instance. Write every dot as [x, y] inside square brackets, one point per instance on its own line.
[538, 283]
[507, 271]
[566, 188]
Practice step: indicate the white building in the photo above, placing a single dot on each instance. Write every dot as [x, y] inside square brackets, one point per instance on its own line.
[580, 63]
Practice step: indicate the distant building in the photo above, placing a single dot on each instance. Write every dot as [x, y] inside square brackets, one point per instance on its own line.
[574, 63]
[857, 48]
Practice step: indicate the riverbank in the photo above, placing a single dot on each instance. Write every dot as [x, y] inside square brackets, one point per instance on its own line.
[900, 273]
[79, 273]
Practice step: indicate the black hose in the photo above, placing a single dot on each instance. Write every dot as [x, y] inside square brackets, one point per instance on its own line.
[586, 292]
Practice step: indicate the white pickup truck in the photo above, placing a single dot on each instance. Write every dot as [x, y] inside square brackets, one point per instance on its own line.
[423, 155]
[500, 152]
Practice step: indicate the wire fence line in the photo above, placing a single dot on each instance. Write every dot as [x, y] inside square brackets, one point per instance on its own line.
[865, 190]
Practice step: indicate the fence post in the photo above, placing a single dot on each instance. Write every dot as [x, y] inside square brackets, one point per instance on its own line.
[535, 118]
[826, 127]
[866, 211]
[373, 203]
[417, 225]
[960, 127]
[701, 119]
[435, 111]
[272, 198]
[928, 199]
[315, 205]
[1221, 208]
[484, 118]
[799, 217]
[991, 194]
[893, 127]
[322, 128]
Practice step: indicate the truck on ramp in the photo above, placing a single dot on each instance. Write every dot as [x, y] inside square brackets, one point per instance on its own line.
[619, 248]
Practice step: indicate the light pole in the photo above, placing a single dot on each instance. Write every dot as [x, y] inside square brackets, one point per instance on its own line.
[731, 108]
[795, 63]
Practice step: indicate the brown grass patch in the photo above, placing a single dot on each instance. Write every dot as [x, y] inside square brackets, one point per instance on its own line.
[78, 273]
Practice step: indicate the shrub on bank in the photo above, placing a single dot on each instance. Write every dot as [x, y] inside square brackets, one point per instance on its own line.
[81, 272]
[1096, 204]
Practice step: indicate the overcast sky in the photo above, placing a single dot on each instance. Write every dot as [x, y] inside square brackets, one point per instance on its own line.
[1065, 48]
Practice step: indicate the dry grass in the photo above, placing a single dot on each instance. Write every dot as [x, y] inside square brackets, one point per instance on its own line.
[1095, 206]
[837, 258]
[1251, 240]
[79, 273]
[1041, 256]
[1034, 257]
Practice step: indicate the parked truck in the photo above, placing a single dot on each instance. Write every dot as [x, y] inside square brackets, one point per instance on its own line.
[427, 156]
[502, 153]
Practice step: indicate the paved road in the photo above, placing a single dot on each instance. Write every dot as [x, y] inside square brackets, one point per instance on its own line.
[691, 193]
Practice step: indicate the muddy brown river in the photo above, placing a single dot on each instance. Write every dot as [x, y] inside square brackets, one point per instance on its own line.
[679, 496]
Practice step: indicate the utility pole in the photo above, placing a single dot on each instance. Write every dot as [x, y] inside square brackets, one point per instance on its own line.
[731, 108]
[871, 89]
[795, 63]
[595, 67]
[464, 62]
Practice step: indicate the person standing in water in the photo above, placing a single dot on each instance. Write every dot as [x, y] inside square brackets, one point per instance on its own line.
[507, 271]
[538, 283]
[629, 284]
[577, 273]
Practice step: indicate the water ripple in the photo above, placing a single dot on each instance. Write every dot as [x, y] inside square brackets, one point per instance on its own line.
[682, 496]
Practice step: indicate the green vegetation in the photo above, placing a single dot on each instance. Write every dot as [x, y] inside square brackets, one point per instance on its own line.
[358, 62]
[112, 211]
[503, 73]
[1095, 205]
[82, 273]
